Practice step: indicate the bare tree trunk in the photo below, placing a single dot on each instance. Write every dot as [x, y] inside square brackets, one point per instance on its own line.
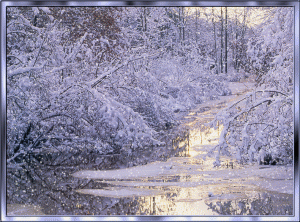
[183, 23]
[196, 30]
[226, 39]
[145, 19]
[215, 40]
[221, 58]
[144, 25]
[235, 45]
[179, 23]
[244, 28]
[242, 40]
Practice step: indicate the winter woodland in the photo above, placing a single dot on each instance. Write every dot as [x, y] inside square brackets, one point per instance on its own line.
[90, 82]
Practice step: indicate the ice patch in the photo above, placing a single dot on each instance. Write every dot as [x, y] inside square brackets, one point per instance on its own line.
[117, 192]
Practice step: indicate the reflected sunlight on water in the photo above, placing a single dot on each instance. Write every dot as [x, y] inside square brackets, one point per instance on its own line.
[208, 137]
[188, 184]
[181, 203]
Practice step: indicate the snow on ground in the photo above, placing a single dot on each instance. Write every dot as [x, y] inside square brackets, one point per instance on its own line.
[121, 192]
[273, 178]
[149, 170]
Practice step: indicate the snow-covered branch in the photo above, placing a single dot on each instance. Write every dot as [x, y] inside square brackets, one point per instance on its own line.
[121, 65]
[13, 72]
[76, 48]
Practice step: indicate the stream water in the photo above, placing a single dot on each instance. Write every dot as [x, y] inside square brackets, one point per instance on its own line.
[187, 184]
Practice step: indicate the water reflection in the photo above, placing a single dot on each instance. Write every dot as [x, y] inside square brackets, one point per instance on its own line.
[264, 204]
[166, 195]
[216, 198]
[185, 185]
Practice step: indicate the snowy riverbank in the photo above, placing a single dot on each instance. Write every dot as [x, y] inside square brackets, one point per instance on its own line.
[195, 173]
[185, 185]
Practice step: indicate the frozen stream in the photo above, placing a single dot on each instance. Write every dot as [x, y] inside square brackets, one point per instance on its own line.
[183, 185]
[189, 185]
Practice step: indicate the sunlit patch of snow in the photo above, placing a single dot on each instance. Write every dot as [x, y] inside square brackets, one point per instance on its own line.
[152, 169]
[275, 178]
[181, 184]
[120, 192]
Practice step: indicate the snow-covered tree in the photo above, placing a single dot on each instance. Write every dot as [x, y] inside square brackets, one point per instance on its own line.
[90, 77]
[52, 104]
[259, 127]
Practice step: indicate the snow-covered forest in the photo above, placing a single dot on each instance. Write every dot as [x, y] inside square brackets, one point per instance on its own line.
[89, 82]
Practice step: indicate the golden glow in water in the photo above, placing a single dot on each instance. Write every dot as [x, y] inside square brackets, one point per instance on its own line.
[198, 138]
[190, 185]
[181, 201]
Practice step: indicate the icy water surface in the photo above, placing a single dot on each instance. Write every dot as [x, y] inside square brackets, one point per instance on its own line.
[187, 184]
[190, 185]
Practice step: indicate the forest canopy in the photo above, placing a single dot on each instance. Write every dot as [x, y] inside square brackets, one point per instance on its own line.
[112, 79]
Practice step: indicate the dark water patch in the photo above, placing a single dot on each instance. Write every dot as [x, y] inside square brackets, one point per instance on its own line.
[49, 182]
[56, 193]
[265, 203]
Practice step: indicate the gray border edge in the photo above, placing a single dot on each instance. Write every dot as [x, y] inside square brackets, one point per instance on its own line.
[3, 112]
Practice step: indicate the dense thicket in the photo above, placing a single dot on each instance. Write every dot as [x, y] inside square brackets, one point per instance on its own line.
[259, 128]
[101, 79]
[112, 79]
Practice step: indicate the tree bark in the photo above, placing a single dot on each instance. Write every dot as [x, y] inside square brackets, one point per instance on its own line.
[145, 20]
[226, 39]
[179, 23]
[235, 45]
[215, 40]
[196, 30]
[221, 57]
[183, 24]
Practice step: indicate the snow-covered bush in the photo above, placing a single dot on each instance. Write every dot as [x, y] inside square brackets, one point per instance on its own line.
[72, 88]
[260, 126]
[51, 105]
[188, 83]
